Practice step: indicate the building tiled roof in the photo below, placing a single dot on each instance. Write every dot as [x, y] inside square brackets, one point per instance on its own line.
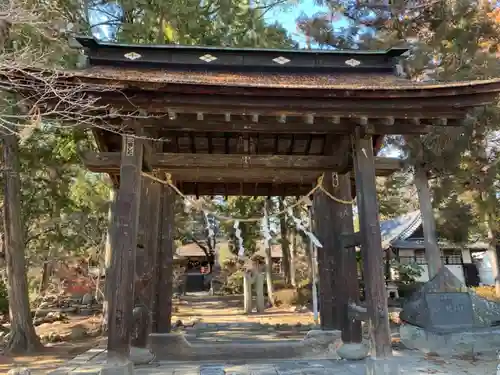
[123, 78]
[193, 250]
[188, 250]
[396, 233]
[276, 251]
[399, 228]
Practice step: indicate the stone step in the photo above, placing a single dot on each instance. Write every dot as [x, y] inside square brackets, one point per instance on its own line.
[174, 346]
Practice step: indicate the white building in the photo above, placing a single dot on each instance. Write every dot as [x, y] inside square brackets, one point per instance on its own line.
[403, 236]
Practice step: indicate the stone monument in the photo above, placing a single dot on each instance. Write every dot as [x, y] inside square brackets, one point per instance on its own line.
[445, 317]
[253, 275]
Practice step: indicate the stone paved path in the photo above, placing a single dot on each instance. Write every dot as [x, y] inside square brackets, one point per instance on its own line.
[412, 364]
[246, 332]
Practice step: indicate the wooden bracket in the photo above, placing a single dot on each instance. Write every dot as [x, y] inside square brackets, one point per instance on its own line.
[360, 313]
[351, 239]
[357, 312]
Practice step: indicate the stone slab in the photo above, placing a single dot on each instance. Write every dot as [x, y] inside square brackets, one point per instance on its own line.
[95, 362]
[109, 368]
[175, 346]
[402, 363]
[480, 340]
[445, 304]
[79, 360]
[450, 311]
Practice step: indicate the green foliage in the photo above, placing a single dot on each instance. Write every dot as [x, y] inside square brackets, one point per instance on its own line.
[449, 41]
[4, 299]
[408, 272]
[192, 22]
[454, 220]
[406, 290]
[234, 283]
[395, 195]
[64, 207]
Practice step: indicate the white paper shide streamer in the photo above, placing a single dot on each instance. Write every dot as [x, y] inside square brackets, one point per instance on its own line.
[301, 227]
[264, 229]
[210, 230]
[241, 249]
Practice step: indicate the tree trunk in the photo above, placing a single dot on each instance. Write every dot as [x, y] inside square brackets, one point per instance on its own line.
[308, 251]
[493, 250]
[488, 198]
[23, 336]
[432, 252]
[269, 262]
[46, 273]
[285, 245]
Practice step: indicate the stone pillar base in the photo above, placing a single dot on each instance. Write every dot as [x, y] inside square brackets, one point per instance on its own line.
[353, 351]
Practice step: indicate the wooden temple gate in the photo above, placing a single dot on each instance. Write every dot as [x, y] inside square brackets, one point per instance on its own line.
[222, 121]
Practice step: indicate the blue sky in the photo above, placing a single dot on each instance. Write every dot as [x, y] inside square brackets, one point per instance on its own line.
[308, 8]
[287, 17]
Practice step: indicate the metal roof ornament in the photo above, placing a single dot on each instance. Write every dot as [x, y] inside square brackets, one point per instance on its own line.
[281, 60]
[353, 62]
[208, 58]
[132, 56]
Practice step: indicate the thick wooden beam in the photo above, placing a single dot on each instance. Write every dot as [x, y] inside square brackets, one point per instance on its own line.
[124, 244]
[324, 218]
[356, 312]
[163, 306]
[373, 256]
[347, 276]
[449, 106]
[146, 264]
[244, 189]
[314, 164]
[309, 124]
[351, 239]
[167, 161]
[249, 175]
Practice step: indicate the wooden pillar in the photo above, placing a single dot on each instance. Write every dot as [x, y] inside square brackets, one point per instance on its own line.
[373, 258]
[107, 259]
[146, 264]
[164, 264]
[124, 244]
[347, 279]
[327, 268]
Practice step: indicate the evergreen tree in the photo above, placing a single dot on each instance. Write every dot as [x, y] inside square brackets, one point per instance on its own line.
[449, 41]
